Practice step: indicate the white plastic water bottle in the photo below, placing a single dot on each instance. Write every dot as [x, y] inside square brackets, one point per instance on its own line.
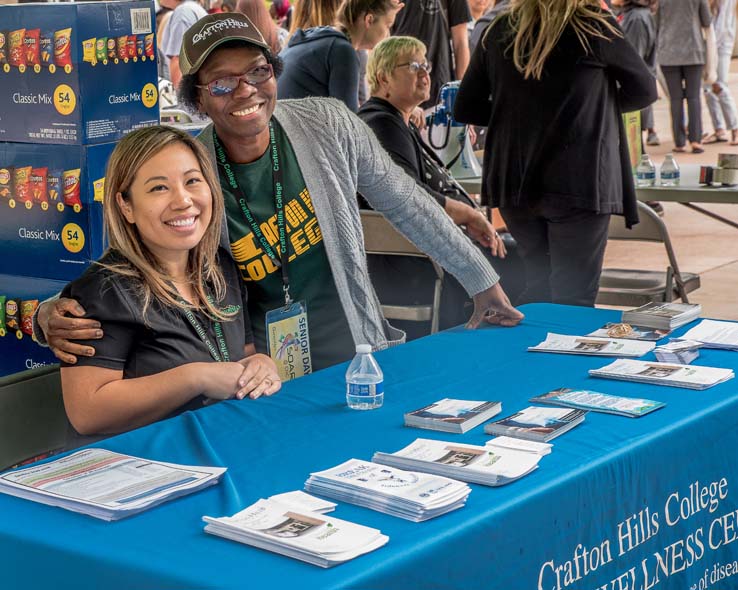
[670, 171]
[645, 172]
[364, 381]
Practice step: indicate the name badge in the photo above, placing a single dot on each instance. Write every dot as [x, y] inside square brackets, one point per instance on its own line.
[288, 340]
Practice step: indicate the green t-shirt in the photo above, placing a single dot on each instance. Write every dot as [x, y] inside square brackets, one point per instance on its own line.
[311, 279]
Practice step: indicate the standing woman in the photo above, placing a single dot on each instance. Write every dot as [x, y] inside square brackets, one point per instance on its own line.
[551, 78]
[322, 60]
[682, 55]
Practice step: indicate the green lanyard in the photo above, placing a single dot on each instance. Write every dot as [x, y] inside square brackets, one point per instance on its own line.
[281, 261]
[220, 354]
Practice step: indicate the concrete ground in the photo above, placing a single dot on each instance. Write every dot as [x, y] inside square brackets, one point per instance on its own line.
[703, 245]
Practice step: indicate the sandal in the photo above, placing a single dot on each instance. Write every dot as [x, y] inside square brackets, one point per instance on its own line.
[697, 148]
[679, 149]
[715, 138]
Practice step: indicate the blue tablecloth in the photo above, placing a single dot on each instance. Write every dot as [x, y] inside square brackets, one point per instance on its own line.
[611, 508]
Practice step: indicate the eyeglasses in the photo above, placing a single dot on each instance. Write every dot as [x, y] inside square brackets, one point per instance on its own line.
[253, 77]
[415, 66]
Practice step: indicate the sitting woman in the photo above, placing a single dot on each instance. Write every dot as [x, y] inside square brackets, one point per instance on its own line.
[323, 60]
[398, 76]
[169, 304]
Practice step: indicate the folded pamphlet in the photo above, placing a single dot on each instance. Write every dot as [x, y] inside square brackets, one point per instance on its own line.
[409, 495]
[534, 423]
[519, 444]
[681, 352]
[106, 485]
[452, 415]
[689, 376]
[584, 399]
[308, 536]
[715, 334]
[491, 466]
[589, 345]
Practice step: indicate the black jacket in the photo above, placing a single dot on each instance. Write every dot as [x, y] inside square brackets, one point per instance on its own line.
[408, 150]
[320, 62]
[560, 139]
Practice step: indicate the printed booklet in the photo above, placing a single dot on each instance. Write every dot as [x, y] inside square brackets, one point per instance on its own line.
[592, 346]
[628, 332]
[518, 444]
[688, 376]
[301, 534]
[534, 423]
[490, 466]
[715, 334]
[583, 399]
[662, 316]
[106, 485]
[452, 415]
[407, 494]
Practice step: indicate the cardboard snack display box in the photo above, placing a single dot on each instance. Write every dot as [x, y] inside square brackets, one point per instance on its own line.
[77, 73]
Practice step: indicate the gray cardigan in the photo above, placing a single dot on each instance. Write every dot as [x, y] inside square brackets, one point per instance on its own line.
[340, 156]
[679, 25]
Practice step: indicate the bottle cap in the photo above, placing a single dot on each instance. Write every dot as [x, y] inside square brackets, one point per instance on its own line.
[363, 348]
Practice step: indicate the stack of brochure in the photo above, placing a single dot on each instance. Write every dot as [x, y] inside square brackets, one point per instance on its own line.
[533, 423]
[662, 316]
[484, 465]
[628, 332]
[598, 402]
[452, 415]
[308, 536]
[681, 352]
[715, 334]
[409, 495]
[592, 346]
[688, 376]
[518, 444]
[106, 485]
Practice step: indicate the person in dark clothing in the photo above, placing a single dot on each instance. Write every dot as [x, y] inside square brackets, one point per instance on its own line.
[557, 164]
[322, 61]
[483, 22]
[441, 26]
[399, 82]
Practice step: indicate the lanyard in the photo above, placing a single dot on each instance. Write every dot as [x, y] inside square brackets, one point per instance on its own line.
[282, 261]
[220, 354]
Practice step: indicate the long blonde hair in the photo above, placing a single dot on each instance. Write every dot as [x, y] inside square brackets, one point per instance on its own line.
[539, 24]
[151, 280]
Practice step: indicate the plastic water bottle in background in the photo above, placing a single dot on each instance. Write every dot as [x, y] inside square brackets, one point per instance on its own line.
[669, 171]
[645, 172]
[364, 381]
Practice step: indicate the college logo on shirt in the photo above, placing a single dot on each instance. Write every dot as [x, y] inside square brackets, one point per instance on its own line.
[303, 232]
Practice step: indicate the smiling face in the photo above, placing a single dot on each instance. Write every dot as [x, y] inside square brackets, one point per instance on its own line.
[406, 89]
[241, 116]
[170, 204]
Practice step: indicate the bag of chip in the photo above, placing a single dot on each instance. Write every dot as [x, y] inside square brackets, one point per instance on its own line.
[31, 47]
[122, 45]
[12, 314]
[3, 47]
[149, 45]
[89, 50]
[54, 184]
[7, 182]
[28, 308]
[139, 46]
[112, 49]
[70, 181]
[2, 315]
[63, 48]
[46, 47]
[131, 46]
[39, 189]
[23, 184]
[101, 49]
[16, 52]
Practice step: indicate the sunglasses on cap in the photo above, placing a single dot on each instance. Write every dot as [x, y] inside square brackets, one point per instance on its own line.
[226, 85]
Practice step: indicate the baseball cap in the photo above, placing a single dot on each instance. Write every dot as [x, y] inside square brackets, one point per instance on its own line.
[213, 30]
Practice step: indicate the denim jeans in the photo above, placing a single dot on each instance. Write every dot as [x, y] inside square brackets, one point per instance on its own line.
[721, 105]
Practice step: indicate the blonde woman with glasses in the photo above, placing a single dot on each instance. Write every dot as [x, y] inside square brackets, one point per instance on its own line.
[550, 79]
[169, 303]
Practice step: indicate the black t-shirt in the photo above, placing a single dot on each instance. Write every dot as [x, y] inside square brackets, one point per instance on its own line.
[165, 339]
[431, 22]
